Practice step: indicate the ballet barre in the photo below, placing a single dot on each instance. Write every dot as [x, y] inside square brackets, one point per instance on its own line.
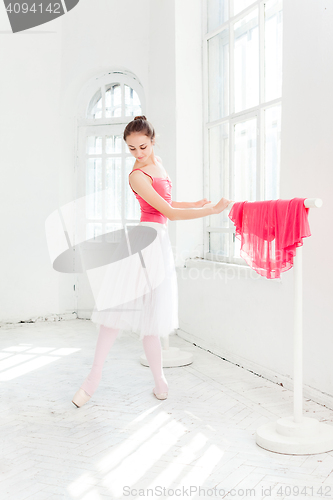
[296, 435]
[308, 203]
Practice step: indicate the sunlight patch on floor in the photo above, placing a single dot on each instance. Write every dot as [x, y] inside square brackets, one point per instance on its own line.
[13, 364]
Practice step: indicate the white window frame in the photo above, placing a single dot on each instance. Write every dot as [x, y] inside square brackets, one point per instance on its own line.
[104, 126]
[232, 118]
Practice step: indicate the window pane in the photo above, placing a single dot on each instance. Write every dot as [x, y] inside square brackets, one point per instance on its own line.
[113, 144]
[111, 228]
[218, 138]
[236, 247]
[273, 49]
[113, 184]
[93, 229]
[218, 75]
[132, 206]
[217, 13]
[245, 158]
[132, 102]
[113, 100]
[94, 185]
[272, 152]
[246, 62]
[240, 5]
[219, 245]
[95, 106]
[94, 145]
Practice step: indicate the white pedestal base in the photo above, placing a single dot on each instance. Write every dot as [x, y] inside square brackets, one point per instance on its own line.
[307, 437]
[172, 357]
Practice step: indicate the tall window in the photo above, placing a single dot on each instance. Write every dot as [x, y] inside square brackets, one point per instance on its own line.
[243, 91]
[104, 160]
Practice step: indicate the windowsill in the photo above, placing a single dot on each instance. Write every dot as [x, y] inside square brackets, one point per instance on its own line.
[242, 271]
[199, 262]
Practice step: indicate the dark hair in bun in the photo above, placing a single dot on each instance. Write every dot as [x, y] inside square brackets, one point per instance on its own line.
[139, 124]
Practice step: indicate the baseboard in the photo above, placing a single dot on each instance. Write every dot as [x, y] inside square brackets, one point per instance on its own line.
[311, 393]
[34, 319]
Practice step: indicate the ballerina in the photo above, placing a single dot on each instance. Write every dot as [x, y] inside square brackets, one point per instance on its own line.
[158, 310]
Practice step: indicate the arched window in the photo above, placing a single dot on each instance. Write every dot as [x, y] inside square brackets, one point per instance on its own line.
[106, 105]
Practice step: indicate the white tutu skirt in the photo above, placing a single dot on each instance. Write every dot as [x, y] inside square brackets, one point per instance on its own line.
[138, 290]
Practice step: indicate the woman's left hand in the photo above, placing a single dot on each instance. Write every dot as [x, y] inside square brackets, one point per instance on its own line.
[201, 203]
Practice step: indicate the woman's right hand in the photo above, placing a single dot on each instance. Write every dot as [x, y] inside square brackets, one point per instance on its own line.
[221, 205]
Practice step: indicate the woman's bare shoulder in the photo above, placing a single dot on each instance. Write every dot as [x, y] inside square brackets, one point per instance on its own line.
[152, 169]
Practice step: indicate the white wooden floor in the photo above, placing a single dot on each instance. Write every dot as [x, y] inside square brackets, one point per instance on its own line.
[124, 443]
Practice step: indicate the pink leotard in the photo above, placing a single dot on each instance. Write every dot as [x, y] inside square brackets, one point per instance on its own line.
[163, 187]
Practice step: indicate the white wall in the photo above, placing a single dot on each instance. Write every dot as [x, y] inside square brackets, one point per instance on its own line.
[161, 93]
[189, 124]
[250, 321]
[307, 168]
[29, 133]
[96, 39]
[43, 71]
[243, 317]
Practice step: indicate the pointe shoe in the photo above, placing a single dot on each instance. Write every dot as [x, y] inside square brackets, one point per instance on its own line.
[161, 395]
[80, 398]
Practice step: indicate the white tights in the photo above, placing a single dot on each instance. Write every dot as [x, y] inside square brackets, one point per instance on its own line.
[106, 338]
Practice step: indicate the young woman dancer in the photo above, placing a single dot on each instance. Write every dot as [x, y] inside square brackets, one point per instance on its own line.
[158, 315]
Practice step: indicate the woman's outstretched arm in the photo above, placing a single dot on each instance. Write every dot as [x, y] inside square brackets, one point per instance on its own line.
[189, 204]
[183, 204]
[195, 213]
[142, 185]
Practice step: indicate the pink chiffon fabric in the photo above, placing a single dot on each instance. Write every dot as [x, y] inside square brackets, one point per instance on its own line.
[269, 232]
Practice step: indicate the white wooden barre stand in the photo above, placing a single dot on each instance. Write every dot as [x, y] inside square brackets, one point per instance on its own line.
[297, 435]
